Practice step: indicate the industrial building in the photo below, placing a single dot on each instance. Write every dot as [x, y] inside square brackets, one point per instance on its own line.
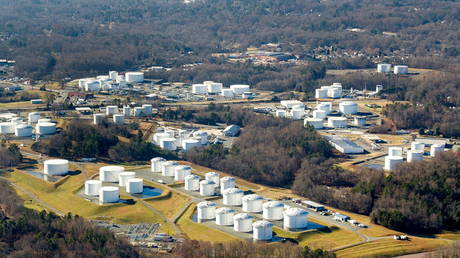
[344, 145]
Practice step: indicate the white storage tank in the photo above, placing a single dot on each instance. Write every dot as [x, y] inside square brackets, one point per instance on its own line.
[413, 156]
[359, 120]
[383, 68]
[395, 151]
[45, 128]
[206, 210]
[56, 167]
[252, 203]
[157, 137]
[325, 106]
[168, 144]
[92, 187]
[417, 147]
[337, 122]
[110, 173]
[295, 218]
[188, 144]
[119, 119]
[109, 194]
[348, 107]
[233, 197]
[202, 136]
[280, 113]
[242, 222]
[334, 92]
[207, 188]
[138, 111]
[97, 118]
[23, 130]
[239, 89]
[262, 230]
[224, 216]
[321, 93]
[134, 77]
[6, 128]
[297, 113]
[392, 161]
[124, 176]
[320, 114]
[199, 89]
[227, 93]
[111, 110]
[44, 120]
[272, 210]
[113, 75]
[227, 182]
[127, 111]
[168, 168]
[147, 109]
[135, 186]
[181, 171]
[33, 117]
[435, 149]
[156, 164]
[192, 183]
[401, 69]
[213, 176]
[214, 87]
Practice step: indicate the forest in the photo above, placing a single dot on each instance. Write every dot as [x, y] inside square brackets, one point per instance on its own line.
[10, 155]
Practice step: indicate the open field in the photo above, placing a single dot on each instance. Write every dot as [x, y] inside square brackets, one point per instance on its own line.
[20, 105]
[169, 205]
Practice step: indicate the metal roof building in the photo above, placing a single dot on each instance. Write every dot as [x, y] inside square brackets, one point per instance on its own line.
[344, 145]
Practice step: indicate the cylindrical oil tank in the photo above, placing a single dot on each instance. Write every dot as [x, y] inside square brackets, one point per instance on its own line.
[135, 185]
[134, 77]
[111, 110]
[320, 114]
[168, 144]
[113, 75]
[337, 122]
[316, 123]
[44, 120]
[92, 187]
[199, 89]
[321, 93]
[392, 161]
[6, 128]
[148, 109]
[109, 194]
[203, 136]
[413, 156]
[395, 151]
[16, 120]
[359, 120]
[348, 107]
[297, 113]
[280, 113]
[334, 92]
[119, 119]
[227, 182]
[181, 171]
[227, 93]
[239, 89]
[45, 128]
[401, 69]
[233, 197]
[435, 149]
[188, 144]
[156, 164]
[192, 183]
[168, 168]
[215, 88]
[33, 117]
[123, 177]
[213, 176]
[417, 147]
[242, 222]
[23, 130]
[325, 106]
[272, 210]
[206, 210]
[127, 111]
[56, 167]
[97, 118]
[207, 188]
[262, 230]
[157, 137]
[224, 216]
[295, 218]
[138, 111]
[252, 203]
[170, 132]
[383, 68]
[110, 173]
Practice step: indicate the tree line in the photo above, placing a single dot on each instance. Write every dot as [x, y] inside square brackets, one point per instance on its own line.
[10, 155]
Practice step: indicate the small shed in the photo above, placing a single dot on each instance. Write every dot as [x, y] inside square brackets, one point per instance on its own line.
[231, 130]
[341, 217]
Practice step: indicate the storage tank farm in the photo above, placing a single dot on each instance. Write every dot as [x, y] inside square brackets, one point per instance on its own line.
[147, 109]
[168, 143]
[201, 136]
[395, 151]
[119, 119]
[23, 130]
[138, 111]
[400, 69]
[321, 93]
[33, 117]
[56, 167]
[414, 156]
[157, 137]
[325, 106]
[92, 187]
[6, 128]
[213, 176]
[181, 171]
[280, 113]
[44, 128]
[348, 107]
[156, 164]
[188, 144]
[262, 230]
[316, 123]
[224, 216]
[337, 122]
[199, 89]
[213, 87]
[242, 222]
[134, 77]
[227, 93]
[109, 194]
[417, 147]
[239, 89]
[320, 114]
[435, 149]
[359, 120]
[227, 182]
[297, 112]
[126, 110]
[252, 203]
[123, 177]
[135, 185]
[192, 183]
[233, 197]
[273, 210]
[295, 218]
[111, 110]
[207, 188]
[206, 211]
[168, 168]
[110, 173]
[97, 118]
[383, 68]
[393, 158]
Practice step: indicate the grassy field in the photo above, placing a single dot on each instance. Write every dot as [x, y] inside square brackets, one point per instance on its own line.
[169, 205]
[30, 203]
[20, 104]
[198, 231]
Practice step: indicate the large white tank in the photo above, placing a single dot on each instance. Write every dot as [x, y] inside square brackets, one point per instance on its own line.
[207, 188]
[33, 117]
[280, 113]
[113, 75]
[315, 122]
[401, 69]
[262, 230]
[334, 92]
[168, 168]
[435, 149]
[188, 144]
[213, 176]
[239, 89]
[138, 111]
[413, 156]
[134, 77]
[202, 136]
[156, 164]
[337, 122]
[359, 120]
[109, 194]
[97, 118]
[119, 119]
[157, 137]
[199, 89]
[395, 151]
[168, 144]
[23, 130]
[325, 106]
[392, 161]
[227, 182]
[297, 113]
[123, 177]
[321, 93]
[227, 93]
[383, 68]
[45, 128]
[417, 147]
[320, 114]
[192, 183]
[348, 107]
[252, 203]
[6, 128]
[110, 173]
[215, 88]
[295, 218]
[127, 111]
[181, 171]
[135, 185]
[111, 110]
[233, 197]
[206, 210]
[56, 167]
[272, 210]
[242, 222]
[147, 109]
[92, 187]
[44, 120]
[224, 216]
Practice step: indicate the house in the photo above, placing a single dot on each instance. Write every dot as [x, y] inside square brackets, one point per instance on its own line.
[341, 217]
